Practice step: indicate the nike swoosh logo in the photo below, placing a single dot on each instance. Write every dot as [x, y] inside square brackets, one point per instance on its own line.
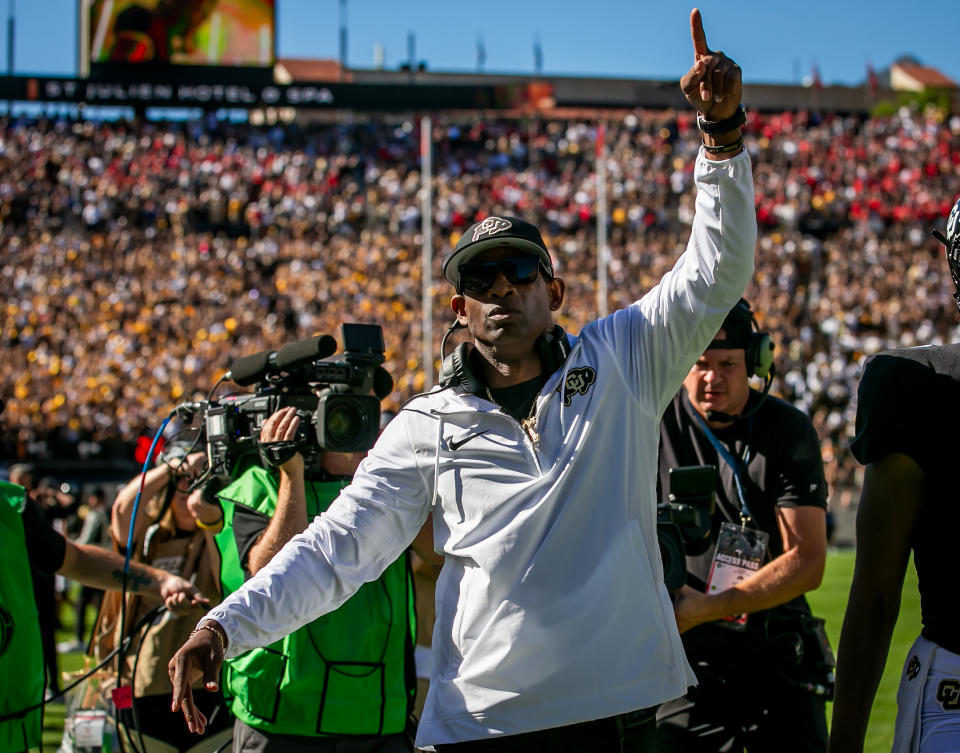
[456, 444]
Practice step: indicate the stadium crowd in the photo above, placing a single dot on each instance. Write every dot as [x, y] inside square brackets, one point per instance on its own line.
[140, 259]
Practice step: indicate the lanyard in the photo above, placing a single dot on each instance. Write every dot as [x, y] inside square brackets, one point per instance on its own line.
[737, 465]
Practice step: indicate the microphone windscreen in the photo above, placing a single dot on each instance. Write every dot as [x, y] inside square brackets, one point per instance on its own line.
[721, 417]
[250, 369]
[382, 382]
[314, 349]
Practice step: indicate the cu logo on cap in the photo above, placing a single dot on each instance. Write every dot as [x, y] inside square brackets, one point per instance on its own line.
[953, 221]
[491, 226]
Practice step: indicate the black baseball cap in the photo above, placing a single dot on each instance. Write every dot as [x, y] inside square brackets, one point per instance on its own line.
[737, 327]
[494, 232]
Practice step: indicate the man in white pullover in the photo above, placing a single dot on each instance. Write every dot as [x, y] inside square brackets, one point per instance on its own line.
[535, 446]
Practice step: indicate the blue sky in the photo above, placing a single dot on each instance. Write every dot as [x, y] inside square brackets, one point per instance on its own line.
[774, 42]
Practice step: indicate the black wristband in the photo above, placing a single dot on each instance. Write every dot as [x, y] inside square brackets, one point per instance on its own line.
[714, 127]
[725, 148]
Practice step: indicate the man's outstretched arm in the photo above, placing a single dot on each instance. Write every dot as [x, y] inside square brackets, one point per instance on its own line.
[101, 568]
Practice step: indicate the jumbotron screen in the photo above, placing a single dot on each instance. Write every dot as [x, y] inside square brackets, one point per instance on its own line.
[181, 32]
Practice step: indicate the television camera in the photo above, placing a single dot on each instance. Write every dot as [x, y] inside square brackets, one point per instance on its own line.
[684, 522]
[337, 401]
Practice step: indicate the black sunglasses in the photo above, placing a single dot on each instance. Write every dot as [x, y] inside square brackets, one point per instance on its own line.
[519, 270]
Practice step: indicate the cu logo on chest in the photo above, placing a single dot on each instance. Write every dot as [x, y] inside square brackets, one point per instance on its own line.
[578, 382]
[948, 694]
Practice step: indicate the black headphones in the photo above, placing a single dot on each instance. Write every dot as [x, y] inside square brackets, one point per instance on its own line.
[758, 356]
[759, 347]
[457, 372]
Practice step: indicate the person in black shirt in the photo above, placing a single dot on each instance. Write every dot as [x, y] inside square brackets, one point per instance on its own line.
[908, 411]
[749, 636]
[44, 583]
[32, 545]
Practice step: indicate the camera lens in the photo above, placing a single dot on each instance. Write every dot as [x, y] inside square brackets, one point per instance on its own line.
[344, 423]
[347, 422]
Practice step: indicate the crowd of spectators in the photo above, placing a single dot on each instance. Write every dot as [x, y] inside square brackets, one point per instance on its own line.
[140, 259]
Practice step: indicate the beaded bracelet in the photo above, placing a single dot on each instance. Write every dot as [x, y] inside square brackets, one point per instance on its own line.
[724, 148]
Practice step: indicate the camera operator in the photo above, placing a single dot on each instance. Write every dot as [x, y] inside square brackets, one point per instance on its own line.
[173, 531]
[763, 683]
[344, 681]
[536, 445]
[30, 544]
[908, 411]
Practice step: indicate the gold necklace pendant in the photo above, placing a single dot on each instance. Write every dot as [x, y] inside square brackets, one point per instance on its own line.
[529, 425]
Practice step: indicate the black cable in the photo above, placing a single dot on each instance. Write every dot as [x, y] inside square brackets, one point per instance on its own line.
[116, 723]
[22, 712]
[133, 705]
[133, 678]
[720, 417]
[128, 552]
[450, 330]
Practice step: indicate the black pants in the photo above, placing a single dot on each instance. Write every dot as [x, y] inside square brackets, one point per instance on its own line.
[45, 598]
[157, 720]
[732, 717]
[87, 596]
[246, 739]
[628, 733]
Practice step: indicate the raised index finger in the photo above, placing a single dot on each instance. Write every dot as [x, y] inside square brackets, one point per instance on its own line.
[696, 33]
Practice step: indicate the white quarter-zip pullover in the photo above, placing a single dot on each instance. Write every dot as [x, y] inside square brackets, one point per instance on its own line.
[551, 608]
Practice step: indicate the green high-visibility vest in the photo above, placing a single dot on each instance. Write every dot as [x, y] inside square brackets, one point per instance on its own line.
[349, 672]
[21, 656]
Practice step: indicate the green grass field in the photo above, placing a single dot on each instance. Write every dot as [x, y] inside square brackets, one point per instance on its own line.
[829, 602]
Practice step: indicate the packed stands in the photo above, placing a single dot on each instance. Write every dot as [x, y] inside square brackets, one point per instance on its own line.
[140, 259]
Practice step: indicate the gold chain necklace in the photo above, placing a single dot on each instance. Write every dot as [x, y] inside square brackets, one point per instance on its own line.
[529, 424]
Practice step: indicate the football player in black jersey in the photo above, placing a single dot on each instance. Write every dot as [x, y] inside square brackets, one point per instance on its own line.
[907, 417]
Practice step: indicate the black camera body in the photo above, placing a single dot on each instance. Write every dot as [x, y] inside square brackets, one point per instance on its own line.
[332, 398]
[685, 522]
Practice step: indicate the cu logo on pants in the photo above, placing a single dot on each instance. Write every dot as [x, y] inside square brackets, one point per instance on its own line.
[948, 694]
